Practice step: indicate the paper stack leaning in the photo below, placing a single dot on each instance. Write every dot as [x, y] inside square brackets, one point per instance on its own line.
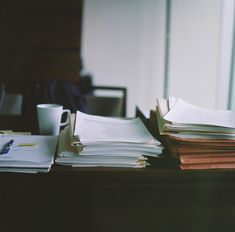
[199, 138]
[96, 141]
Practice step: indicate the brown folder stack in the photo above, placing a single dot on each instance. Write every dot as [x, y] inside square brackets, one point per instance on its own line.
[199, 138]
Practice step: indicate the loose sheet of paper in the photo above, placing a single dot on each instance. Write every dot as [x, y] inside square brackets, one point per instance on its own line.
[97, 128]
[183, 112]
[29, 149]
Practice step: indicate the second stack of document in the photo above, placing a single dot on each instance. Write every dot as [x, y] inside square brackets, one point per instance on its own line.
[199, 138]
[95, 141]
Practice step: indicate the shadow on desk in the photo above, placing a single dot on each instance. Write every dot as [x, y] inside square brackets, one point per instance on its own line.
[159, 198]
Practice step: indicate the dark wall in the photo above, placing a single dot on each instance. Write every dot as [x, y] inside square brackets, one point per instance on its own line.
[40, 39]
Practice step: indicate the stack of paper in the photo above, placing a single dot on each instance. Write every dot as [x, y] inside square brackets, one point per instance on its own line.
[200, 138]
[28, 153]
[92, 141]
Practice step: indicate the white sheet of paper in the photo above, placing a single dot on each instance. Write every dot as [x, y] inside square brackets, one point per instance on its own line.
[183, 112]
[172, 101]
[43, 151]
[98, 128]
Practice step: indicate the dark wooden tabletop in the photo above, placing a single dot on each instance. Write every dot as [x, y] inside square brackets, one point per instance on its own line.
[96, 199]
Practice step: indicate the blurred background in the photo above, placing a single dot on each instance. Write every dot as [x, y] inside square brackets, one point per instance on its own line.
[158, 48]
[152, 48]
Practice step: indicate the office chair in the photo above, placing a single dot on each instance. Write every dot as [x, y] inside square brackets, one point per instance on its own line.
[25, 119]
[107, 101]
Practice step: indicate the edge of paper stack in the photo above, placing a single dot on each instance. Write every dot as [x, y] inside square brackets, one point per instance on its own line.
[197, 137]
[97, 141]
[29, 153]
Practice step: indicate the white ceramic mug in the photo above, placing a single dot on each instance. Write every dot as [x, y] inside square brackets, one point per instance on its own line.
[49, 118]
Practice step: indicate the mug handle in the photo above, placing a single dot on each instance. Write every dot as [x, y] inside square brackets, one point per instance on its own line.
[67, 119]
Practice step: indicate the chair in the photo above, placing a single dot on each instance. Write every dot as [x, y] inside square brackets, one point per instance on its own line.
[16, 106]
[107, 101]
[36, 48]
[32, 59]
[26, 118]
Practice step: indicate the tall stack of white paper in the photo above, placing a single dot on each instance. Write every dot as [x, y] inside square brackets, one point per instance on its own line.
[107, 142]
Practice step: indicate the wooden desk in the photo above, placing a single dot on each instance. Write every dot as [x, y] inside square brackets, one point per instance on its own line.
[159, 198]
